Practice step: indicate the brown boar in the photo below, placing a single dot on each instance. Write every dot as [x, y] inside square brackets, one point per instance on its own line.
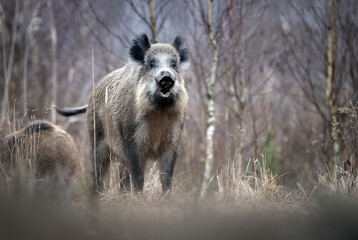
[50, 149]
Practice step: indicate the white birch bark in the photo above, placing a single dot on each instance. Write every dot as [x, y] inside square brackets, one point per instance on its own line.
[210, 122]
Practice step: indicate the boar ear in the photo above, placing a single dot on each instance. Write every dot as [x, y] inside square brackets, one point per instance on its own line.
[139, 47]
[180, 45]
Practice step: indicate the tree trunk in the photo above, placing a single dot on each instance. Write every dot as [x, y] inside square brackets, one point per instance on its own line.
[242, 106]
[152, 22]
[332, 9]
[26, 57]
[210, 111]
[24, 86]
[54, 63]
[238, 93]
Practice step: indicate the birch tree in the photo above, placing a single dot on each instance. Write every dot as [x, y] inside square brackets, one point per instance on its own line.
[208, 20]
[210, 105]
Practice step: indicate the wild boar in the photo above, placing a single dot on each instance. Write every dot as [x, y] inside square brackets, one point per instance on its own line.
[138, 111]
[51, 150]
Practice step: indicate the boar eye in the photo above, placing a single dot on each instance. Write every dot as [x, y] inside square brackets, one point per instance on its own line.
[152, 63]
[173, 64]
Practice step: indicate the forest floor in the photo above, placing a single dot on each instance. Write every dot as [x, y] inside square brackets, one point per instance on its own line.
[255, 205]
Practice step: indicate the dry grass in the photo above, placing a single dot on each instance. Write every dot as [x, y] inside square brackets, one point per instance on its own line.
[228, 195]
[254, 205]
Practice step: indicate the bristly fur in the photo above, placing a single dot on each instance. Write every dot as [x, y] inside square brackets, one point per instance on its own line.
[54, 149]
[179, 44]
[38, 126]
[32, 128]
[139, 47]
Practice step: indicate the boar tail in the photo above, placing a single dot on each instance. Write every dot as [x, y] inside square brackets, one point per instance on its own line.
[71, 111]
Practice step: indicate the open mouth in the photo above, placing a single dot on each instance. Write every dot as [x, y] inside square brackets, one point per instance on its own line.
[165, 86]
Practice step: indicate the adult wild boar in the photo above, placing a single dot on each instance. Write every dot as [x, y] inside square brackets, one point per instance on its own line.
[138, 111]
[51, 150]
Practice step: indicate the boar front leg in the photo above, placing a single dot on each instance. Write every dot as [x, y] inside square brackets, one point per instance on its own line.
[166, 168]
[136, 164]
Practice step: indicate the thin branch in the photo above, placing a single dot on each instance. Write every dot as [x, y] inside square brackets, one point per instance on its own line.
[105, 25]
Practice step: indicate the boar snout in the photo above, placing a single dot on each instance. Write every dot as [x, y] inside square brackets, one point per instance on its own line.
[165, 83]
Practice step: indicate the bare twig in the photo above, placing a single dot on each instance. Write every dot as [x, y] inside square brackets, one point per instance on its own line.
[94, 124]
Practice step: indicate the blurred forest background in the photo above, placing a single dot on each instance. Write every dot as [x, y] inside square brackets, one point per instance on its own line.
[269, 79]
